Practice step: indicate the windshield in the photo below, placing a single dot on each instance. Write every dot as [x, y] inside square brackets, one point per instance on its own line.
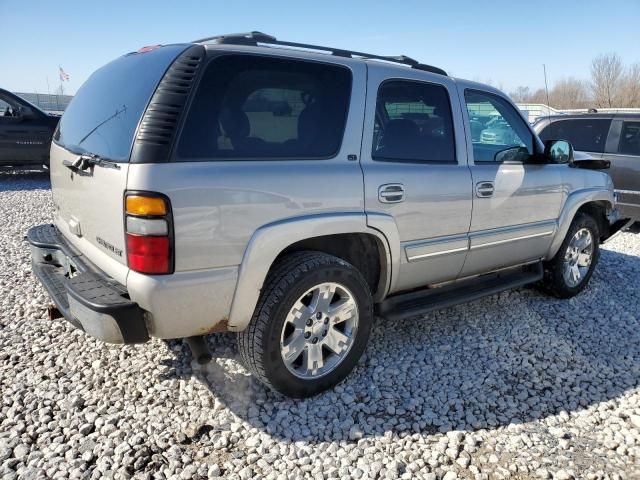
[103, 116]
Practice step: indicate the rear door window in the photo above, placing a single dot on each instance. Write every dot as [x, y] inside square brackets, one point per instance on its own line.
[253, 107]
[103, 116]
[413, 123]
[630, 139]
[586, 135]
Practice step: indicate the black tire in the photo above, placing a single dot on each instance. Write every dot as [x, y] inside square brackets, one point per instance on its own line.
[554, 281]
[288, 280]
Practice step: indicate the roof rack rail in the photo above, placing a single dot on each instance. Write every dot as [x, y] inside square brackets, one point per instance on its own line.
[254, 38]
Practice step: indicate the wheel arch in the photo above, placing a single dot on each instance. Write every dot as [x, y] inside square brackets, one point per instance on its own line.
[596, 202]
[339, 234]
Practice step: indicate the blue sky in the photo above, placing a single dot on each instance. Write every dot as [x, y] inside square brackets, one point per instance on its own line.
[504, 42]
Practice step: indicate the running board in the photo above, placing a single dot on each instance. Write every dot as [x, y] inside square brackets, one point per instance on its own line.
[426, 300]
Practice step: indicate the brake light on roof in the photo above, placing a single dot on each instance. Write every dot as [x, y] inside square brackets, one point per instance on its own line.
[148, 231]
[148, 48]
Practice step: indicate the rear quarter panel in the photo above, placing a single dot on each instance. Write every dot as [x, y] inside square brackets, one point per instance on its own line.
[218, 205]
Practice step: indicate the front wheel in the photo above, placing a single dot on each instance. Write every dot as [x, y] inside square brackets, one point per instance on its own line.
[568, 273]
[311, 324]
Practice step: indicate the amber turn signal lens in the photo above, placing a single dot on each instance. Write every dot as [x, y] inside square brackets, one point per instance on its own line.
[141, 205]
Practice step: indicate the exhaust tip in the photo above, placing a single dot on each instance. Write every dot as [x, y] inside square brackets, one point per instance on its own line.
[53, 312]
[199, 350]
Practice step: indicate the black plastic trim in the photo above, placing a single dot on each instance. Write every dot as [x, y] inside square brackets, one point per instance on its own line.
[90, 287]
[255, 38]
[419, 302]
[157, 130]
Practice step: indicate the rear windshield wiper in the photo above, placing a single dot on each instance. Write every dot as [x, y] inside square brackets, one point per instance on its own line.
[87, 160]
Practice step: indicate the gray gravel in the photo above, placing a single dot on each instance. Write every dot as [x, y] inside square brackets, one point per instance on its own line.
[518, 385]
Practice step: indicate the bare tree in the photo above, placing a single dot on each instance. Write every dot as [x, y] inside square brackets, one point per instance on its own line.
[521, 95]
[539, 96]
[630, 88]
[606, 76]
[611, 85]
[569, 93]
[525, 95]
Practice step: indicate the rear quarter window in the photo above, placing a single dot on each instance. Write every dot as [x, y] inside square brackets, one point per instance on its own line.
[630, 139]
[587, 135]
[254, 107]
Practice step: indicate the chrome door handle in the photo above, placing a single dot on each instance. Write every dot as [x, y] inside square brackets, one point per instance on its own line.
[391, 193]
[484, 189]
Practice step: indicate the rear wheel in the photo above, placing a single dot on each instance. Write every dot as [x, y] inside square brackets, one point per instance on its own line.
[311, 324]
[568, 273]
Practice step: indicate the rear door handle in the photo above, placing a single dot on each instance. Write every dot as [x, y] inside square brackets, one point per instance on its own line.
[484, 189]
[391, 193]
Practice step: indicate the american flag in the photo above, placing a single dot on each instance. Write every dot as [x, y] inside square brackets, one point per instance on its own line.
[64, 76]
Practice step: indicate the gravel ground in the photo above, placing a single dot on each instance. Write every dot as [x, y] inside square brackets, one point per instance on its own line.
[518, 385]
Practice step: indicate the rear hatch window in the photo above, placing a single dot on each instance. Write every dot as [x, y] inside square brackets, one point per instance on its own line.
[103, 116]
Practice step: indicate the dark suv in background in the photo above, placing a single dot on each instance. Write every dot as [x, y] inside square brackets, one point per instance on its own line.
[612, 137]
[25, 132]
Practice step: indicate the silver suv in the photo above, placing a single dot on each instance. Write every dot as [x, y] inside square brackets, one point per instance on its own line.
[287, 192]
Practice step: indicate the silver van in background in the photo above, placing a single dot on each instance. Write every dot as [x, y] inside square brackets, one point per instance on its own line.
[611, 137]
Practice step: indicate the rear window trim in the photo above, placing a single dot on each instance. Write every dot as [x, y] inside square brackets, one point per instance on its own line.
[212, 56]
[377, 158]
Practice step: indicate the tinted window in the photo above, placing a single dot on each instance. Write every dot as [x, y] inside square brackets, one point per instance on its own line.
[8, 107]
[496, 127]
[630, 138]
[413, 122]
[259, 107]
[103, 115]
[587, 135]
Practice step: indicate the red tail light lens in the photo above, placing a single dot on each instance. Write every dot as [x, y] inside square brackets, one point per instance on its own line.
[148, 254]
[148, 223]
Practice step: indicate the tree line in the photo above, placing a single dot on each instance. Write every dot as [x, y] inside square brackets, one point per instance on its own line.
[611, 84]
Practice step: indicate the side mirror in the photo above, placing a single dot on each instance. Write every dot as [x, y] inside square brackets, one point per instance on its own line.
[558, 151]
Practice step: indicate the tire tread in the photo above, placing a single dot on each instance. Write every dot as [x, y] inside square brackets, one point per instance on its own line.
[551, 282]
[282, 277]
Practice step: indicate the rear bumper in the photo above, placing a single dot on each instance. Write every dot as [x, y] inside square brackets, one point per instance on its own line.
[85, 296]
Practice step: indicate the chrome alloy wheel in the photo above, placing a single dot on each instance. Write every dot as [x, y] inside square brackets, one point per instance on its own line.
[319, 331]
[578, 257]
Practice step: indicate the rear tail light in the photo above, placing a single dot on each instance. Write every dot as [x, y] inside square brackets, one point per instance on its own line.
[149, 234]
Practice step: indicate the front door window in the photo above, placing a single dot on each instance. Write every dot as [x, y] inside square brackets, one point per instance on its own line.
[496, 127]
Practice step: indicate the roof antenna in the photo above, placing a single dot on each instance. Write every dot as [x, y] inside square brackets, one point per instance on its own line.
[546, 89]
